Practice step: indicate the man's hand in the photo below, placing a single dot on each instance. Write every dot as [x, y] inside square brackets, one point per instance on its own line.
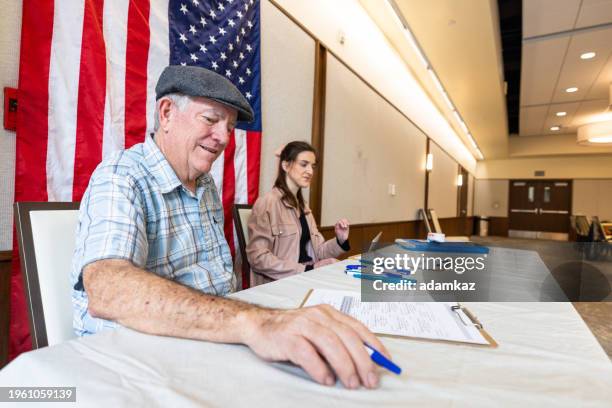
[342, 230]
[312, 338]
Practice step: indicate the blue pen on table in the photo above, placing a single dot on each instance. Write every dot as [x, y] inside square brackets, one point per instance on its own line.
[381, 360]
[381, 277]
[398, 272]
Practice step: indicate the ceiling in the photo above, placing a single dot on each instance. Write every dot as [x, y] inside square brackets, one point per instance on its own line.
[555, 34]
[463, 43]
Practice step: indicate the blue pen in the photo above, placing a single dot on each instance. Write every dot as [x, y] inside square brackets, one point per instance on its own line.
[393, 275]
[384, 278]
[381, 360]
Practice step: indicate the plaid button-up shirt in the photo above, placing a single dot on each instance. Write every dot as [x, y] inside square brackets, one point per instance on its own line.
[136, 208]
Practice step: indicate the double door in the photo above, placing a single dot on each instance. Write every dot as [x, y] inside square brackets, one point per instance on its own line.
[540, 205]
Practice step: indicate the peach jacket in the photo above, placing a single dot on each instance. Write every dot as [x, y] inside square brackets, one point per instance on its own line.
[274, 240]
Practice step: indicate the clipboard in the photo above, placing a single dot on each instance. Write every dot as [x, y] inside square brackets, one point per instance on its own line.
[473, 320]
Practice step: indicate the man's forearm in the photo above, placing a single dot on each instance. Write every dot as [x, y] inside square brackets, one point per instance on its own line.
[141, 300]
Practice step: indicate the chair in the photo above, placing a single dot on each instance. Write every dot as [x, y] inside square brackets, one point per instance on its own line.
[46, 235]
[596, 232]
[423, 215]
[242, 212]
[581, 225]
[436, 226]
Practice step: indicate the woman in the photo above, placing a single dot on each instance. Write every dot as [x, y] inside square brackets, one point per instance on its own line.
[284, 239]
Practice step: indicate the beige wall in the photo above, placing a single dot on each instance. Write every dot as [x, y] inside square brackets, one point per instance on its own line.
[368, 52]
[592, 197]
[10, 31]
[443, 183]
[287, 70]
[572, 167]
[491, 198]
[368, 145]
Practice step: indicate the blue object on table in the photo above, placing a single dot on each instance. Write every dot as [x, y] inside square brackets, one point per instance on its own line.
[399, 272]
[456, 247]
[381, 360]
[375, 355]
[382, 277]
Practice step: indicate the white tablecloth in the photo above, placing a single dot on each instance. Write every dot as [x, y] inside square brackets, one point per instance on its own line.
[546, 357]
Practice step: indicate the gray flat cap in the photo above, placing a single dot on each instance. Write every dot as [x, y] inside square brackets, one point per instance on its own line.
[197, 81]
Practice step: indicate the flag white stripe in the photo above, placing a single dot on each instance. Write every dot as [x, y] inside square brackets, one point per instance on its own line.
[159, 53]
[240, 167]
[64, 68]
[217, 171]
[115, 18]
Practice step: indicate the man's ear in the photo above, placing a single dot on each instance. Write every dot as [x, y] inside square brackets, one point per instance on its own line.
[165, 113]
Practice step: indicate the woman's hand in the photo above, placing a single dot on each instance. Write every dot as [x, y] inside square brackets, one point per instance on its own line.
[342, 230]
[324, 262]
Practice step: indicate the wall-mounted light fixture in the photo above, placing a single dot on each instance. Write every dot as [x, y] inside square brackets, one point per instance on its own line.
[459, 180]
[429, 162]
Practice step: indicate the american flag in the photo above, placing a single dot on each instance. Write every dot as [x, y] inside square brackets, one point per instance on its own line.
[224, 36]
[87, 75]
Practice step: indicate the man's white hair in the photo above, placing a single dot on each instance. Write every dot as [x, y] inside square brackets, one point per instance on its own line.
[180, 100]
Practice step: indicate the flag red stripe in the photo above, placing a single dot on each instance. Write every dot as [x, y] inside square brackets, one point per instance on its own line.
[92, 92]
[32, 115]
[229, 190]
[253, 141]
[136, 59]
[32, 126]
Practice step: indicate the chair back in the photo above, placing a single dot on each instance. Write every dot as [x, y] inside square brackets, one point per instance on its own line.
[434, 221]
[46, 233]
[596, 232]
[242, 213]
[425, 218]
[582, 225]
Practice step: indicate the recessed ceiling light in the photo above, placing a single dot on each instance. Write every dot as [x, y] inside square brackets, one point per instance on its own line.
[555, 128]
[561, 113]
[587, 55]
[571, 90]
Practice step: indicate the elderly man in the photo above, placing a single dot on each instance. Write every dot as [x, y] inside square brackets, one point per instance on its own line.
[151, 254]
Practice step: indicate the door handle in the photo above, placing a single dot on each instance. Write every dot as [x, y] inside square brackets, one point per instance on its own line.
[535, 211]
[554, 212]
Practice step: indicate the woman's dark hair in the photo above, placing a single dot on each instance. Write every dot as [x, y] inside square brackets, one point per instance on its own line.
[289, 154]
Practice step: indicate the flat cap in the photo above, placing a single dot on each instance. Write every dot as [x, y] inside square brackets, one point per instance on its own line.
[197, 81]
